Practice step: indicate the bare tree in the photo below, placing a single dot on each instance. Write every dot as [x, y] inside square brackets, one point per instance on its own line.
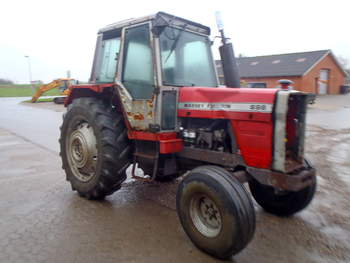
[344, 62]
[5, 81]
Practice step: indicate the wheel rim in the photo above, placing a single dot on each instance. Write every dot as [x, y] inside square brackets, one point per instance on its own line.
[82, 152]
[205, 215]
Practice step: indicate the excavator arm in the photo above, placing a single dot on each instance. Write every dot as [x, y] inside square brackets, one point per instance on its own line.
[52, 85]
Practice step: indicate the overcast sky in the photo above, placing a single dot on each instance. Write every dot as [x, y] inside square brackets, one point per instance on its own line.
[59, 35]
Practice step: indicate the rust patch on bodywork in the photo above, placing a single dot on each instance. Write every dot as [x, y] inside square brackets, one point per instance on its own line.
[296, 181]
[138, 117]
[150, 103]
[139, 113]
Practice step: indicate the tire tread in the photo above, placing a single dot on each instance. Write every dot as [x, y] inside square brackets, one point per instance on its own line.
[113, 143]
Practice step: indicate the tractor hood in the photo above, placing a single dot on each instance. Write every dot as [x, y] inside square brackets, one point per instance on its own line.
[226, 103]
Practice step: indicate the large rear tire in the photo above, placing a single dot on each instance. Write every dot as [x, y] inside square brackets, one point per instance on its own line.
[281, 203]
[215, 211]
[95, 149]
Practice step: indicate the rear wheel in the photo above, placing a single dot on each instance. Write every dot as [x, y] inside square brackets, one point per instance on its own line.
[94, 148]
[215, 211]
[281, 203]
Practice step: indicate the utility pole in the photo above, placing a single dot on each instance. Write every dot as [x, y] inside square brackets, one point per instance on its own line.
[30, 71]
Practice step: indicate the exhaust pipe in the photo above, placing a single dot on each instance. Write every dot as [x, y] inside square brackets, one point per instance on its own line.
[228, 59]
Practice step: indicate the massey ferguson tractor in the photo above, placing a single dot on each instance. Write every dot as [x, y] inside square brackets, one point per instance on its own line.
[154, 101]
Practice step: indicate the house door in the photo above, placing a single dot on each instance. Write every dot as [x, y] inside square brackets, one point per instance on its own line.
[323, 81]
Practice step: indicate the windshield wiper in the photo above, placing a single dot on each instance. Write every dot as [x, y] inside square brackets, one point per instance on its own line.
[175, 43]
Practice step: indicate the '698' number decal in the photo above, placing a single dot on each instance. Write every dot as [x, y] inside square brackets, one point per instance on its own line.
[257, 107]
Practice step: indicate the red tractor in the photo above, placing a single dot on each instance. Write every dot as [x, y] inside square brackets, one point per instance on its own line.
[154, 100]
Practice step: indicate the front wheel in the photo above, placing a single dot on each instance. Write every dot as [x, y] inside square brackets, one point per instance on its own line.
[281, 203]
[215, 211]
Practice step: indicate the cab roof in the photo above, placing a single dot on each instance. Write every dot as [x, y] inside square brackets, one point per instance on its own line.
[159, 19]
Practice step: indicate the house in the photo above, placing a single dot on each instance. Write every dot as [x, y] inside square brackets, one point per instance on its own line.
[317, 72]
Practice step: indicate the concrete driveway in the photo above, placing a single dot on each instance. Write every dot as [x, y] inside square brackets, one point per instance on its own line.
[42, 220]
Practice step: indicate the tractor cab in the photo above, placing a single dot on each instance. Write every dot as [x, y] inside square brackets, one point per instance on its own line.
[149, 59]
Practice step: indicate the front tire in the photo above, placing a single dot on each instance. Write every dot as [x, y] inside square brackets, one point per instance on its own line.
[94, 148]
[215, 211]
[283, 203]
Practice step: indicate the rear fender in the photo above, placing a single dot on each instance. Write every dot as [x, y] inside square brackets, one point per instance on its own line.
[101, 91]
[106, 92]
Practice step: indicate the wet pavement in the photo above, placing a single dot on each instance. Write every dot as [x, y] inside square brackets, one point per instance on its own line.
[42, 220]
[31, 122]
[330, 112]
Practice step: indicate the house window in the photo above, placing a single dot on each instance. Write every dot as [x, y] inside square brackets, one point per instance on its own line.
[300, 59]
[257, 85]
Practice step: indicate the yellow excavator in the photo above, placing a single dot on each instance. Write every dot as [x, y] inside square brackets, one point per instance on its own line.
[63, 84]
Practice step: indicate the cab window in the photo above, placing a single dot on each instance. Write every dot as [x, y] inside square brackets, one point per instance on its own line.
[138, 76]
[109, 59]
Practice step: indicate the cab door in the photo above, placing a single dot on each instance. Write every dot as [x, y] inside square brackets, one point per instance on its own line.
[137, 79]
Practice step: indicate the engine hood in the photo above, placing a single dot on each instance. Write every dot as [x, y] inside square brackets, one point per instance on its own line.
[222, 102]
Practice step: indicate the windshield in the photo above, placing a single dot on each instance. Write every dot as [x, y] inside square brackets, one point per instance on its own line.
[186, 59]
